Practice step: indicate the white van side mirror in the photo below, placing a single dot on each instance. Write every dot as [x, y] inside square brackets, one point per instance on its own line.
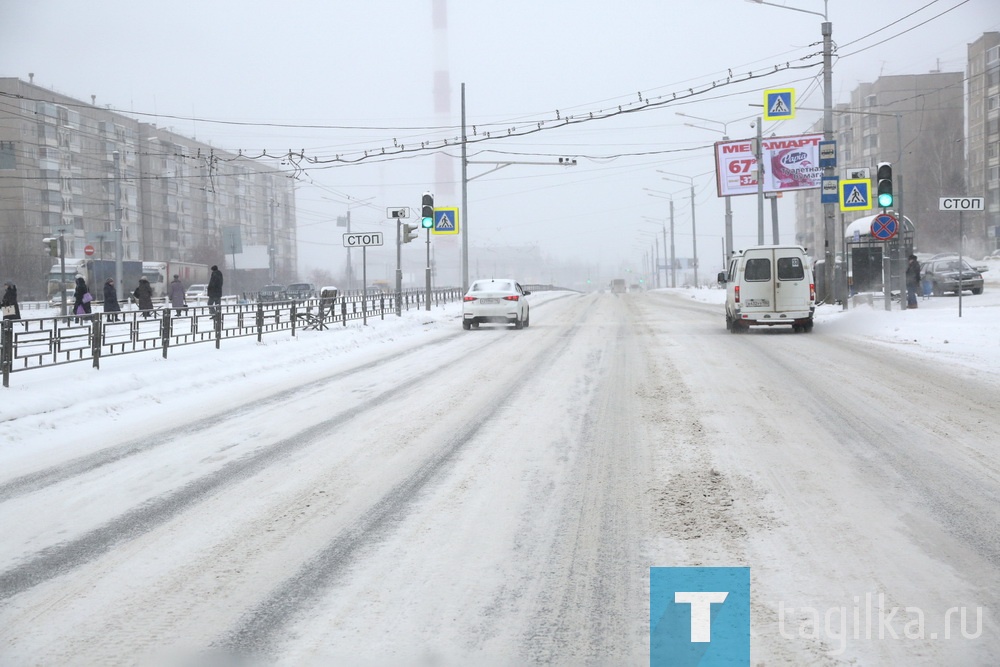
[721, 277]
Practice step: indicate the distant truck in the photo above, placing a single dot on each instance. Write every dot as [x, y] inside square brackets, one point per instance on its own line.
[161, 274]
[618, 286]
[95, 272]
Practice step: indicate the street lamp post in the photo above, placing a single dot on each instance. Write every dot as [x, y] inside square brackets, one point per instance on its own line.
[673, 255]
[663, 229]
[694, 225]
[828, 172]
[725, 137]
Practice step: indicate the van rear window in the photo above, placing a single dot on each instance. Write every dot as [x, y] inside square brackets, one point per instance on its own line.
[757, 270]
[790, 268]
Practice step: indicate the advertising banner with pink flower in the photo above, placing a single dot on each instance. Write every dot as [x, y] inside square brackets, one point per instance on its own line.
[790, 163]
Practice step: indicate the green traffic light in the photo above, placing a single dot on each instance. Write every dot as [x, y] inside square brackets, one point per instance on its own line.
[426, 223]
[885, 200]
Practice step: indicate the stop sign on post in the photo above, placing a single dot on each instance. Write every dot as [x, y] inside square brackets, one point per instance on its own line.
[88, 250]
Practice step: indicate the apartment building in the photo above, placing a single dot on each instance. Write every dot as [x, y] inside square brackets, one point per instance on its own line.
[916, 122]
[72, 167]
[983, 139]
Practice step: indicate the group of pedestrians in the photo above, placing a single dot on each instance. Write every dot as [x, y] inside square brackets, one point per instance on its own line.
[142, 295]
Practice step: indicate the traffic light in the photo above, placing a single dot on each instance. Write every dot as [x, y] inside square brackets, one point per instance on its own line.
[52, 243]
[427, 211]
[409, 232]
[884, 188]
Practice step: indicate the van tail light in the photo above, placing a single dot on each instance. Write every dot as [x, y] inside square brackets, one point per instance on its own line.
[737, 289]
[512, 297]
[468, 298]
[812, 291]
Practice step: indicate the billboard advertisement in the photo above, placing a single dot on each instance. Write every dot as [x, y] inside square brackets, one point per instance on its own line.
[790, 163]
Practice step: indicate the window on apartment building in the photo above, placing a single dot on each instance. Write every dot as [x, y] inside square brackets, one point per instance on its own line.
[8, 159]
[871, 141]
[993, 102]
[993, 55]
[993, 174]
[993, 126]
[993, 150]
[871, 101]
[848, 154]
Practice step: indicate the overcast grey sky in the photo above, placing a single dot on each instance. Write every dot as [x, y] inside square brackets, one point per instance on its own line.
[365, 70]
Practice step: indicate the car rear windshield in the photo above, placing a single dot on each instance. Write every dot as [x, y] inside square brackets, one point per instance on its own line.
[757, 269]
[790, 268]
[492, 286]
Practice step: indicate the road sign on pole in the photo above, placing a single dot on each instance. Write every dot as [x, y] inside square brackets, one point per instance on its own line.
[855, 194]
[962, 204]
[445, 220]
[398, 212]
[362, 239]
[779, 104]
[884, 226]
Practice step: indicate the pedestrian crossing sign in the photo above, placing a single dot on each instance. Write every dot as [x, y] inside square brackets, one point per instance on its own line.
[445, 220]
[779, 104]
[855, 194]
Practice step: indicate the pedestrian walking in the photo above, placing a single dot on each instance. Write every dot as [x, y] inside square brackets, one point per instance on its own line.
[176, 294]
[11, 311]
[215, 290]
[111, 307]
[144, 297]
[912, 281]
[81, 300]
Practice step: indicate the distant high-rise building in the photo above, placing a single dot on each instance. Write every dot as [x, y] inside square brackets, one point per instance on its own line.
[63, 162]
[983, 139]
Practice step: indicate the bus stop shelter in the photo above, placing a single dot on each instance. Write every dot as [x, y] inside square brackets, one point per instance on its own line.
[873, 262]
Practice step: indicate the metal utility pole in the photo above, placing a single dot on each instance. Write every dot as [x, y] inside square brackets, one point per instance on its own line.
[829, 209]
[694, 224]
[758, 154]
[119, 289]
[465, 201]
[427, 272]
[673, 260]
[270, 246]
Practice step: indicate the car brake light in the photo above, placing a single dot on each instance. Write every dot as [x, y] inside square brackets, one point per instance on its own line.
[737, 290]
[512, 297]
[468, 298]
[812, 291]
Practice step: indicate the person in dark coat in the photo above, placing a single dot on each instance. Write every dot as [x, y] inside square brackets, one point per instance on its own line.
[81, 299]
[111, 307]
[176, 294]
[144, 296]
[10, 300]
[215, 289]
[912, 281]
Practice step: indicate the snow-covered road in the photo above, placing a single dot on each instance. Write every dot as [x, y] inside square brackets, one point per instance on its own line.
[435, 496]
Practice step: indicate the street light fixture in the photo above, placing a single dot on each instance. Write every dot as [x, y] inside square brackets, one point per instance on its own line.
[830, 241]
[725, 137]
[673, 255]
[694, 225]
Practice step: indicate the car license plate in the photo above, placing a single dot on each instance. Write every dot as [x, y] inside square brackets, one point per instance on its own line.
[489, 301]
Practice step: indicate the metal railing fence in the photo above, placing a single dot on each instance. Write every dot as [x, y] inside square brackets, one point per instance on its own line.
[40, 342]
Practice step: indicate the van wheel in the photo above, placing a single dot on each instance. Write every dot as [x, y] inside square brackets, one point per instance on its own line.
[798, 328]
[466, 325]
[808, 326]
[729, 324]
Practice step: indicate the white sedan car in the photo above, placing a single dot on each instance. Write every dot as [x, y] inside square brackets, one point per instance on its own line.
[495, 300]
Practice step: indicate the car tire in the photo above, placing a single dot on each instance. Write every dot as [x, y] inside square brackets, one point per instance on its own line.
[977, 290]
[518, 324]
[527, 319]
[466, 325]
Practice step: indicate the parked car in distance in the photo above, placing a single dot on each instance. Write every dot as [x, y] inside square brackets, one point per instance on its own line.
[499, 300]
[992, 257]
[196, 294]
[943, 275]
[56, 301]
[301, 291]
[272, 293]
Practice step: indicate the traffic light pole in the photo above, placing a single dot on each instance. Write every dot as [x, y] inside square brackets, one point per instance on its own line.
[399, 270]
[427, 272]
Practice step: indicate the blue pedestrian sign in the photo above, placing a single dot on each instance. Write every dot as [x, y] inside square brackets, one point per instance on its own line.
[884, 227]
[779, 104]
[445, 220]
[855, 194]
